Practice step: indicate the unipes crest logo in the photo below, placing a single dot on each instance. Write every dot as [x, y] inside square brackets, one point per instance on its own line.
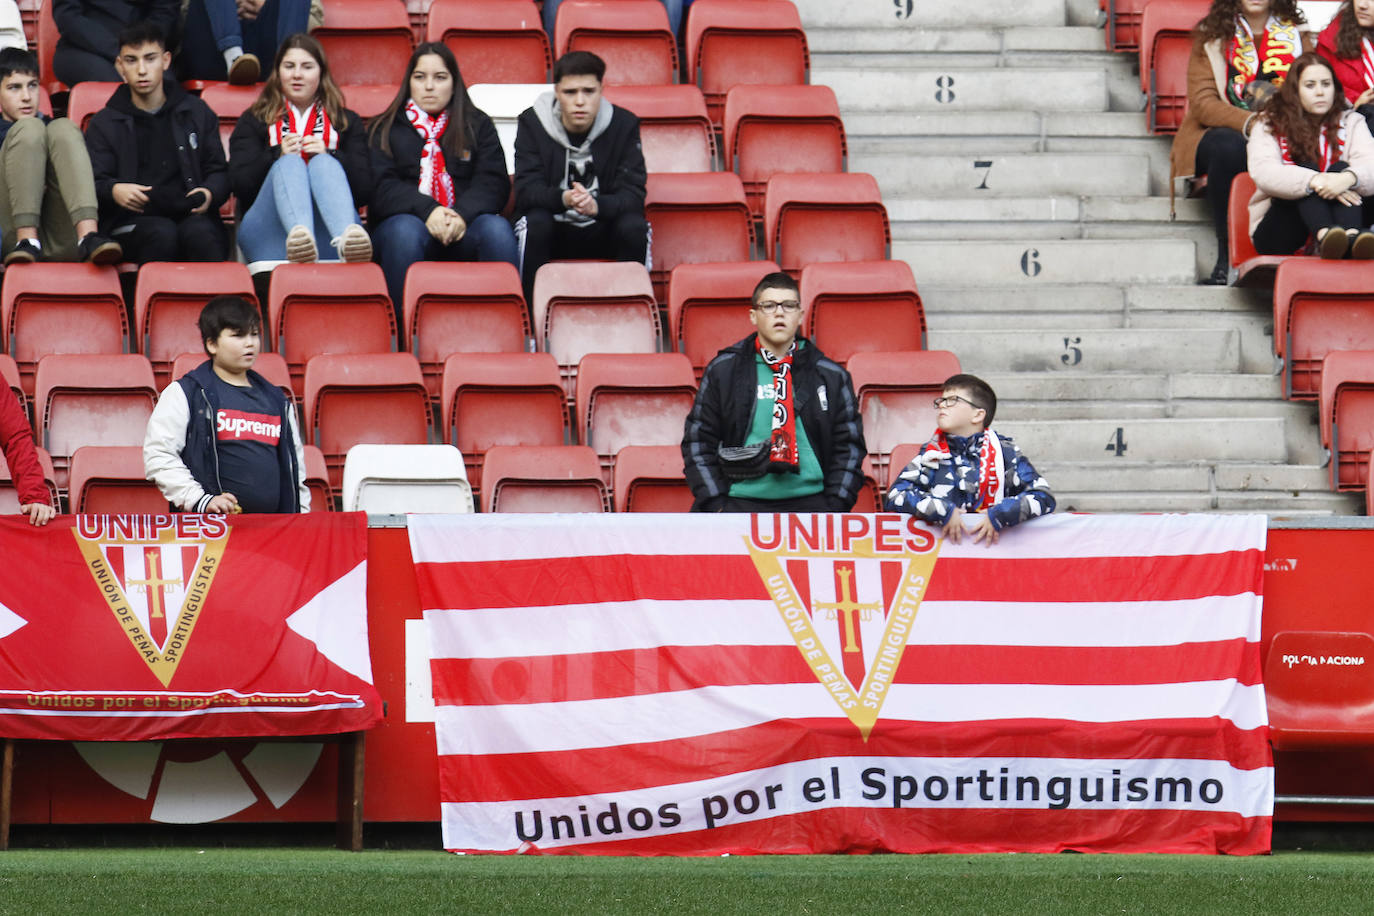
[155, 572]
[848, 588]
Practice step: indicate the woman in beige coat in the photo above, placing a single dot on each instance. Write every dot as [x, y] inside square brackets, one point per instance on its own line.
[1238, 45]
[1312, 160]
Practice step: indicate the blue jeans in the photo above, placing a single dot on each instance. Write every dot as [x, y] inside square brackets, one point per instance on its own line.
[401, 240]
[296, 193]
[213, 27]
[674, 8]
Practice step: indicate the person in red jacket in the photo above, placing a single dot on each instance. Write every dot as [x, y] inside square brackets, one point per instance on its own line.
[1348, 43]
[17, 442]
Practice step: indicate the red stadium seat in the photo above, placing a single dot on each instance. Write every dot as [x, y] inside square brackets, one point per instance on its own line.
[328, 308]
[895, 391]
[371, 99]
[495, 41]
[674, 129]
[1319, 706]
[109, 480]
[1166, 43]
[168, 299]
[696, 218]
[632, 399]
[1369, 486]
[1320, 306]
[317, 480]
[9, 494]
[1123, 24]
[631, 36]
[463, 308]
[50, 307]
[583, 307]
[744, 42]
[44, 47]
[772, 129]
[228, 102]
[899, 458]
[870, 496]
[88, 98]
[824, 217]
[492, 399]
[377, 398]
[28, 17]
[708, 307]
[1346, 415]
[650, 478]
[91, 399]
[1248, 267]
[859, 306]
[366, 41]
[543, 478]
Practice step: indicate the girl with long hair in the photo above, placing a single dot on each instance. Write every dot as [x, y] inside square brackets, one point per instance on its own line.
[1242, 50]
[1312, 159]
[298, 164]
[1347, 43]
[439, 178]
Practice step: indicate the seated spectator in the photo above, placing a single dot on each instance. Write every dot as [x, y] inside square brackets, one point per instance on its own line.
[743, 448]
[1312, 160]
[439, 179]
[47, 195]
[1346, 45]
[160, 188]
[967, 477]
[222, 438]
[1242, 50]
[229, 39]
[298, 164]
[89, 34]
[16, 439]
[579, 172]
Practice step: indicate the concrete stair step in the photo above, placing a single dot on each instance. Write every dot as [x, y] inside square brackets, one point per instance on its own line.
[978, 128]
[1272, 477]
[1113, 387]
[1219, 439]
[1032, 261]
[991, 43]
[901, 89]
[1307, 505]
[914, 16]
[1092, 351]
[1005, 175]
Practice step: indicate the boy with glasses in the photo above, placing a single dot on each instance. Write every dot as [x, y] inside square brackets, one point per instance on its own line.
[775, 426]
[967, 475]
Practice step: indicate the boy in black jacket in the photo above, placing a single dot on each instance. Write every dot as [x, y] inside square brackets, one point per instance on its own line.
[160, 172]
[579, 172]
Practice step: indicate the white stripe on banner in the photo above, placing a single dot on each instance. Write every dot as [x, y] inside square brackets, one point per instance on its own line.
[909, 783]
[524, 728]
[435, 538]
[615, 626]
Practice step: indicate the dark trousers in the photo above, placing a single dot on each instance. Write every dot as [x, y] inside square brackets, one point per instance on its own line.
[213, 27]
[1221, 156]
[625, 238]
[1289, 223]
[77, 65]
[198, 237]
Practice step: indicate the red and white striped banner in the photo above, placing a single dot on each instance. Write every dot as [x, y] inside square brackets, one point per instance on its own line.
[144, 627]
[704, 684]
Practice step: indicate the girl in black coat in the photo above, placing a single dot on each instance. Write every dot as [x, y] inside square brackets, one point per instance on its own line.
[439, 179]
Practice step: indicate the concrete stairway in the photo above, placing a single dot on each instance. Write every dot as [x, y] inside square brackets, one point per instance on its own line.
[1032, 205]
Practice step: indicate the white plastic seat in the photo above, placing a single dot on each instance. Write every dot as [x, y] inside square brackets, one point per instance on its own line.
[504, 103]
[405, 478]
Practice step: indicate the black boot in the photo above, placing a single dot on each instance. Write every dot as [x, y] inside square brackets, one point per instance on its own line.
[1221, 273]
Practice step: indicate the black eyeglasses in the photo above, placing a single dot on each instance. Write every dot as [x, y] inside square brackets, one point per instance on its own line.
[790, 306]
[953, 399]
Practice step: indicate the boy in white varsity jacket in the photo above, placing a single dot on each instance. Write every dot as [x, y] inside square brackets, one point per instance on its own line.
[967, 469]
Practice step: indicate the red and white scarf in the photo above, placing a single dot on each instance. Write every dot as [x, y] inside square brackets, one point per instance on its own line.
[1268, 58]
[1327, 156]
[784, 436]
[315, 121]
[1367, 55]
[991, 464]
[434, 177]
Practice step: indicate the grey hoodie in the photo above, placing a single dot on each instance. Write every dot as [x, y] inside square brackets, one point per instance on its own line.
[579, 158]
